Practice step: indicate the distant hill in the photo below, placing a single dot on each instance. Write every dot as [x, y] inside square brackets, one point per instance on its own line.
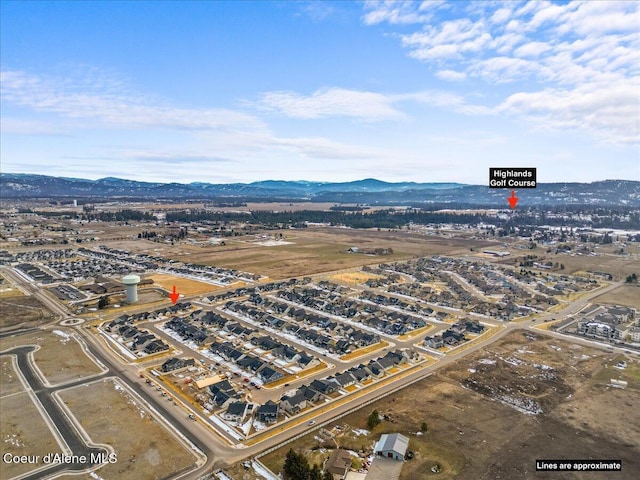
[367, 191]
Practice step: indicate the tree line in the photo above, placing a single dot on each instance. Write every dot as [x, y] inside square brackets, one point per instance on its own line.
[393, 219]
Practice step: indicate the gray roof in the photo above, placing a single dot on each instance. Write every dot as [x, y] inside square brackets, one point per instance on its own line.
[392, 442]
[237, 408]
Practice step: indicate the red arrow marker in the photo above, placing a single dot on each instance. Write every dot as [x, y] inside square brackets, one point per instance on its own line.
[513, 200]
[174, 296]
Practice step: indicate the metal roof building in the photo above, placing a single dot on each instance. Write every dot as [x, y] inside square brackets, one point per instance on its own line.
[392, 445]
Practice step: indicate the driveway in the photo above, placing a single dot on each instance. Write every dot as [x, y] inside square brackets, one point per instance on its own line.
[384, 469]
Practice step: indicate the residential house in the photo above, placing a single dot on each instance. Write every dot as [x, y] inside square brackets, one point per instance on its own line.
[344, 379]
[268, 375]
[338, 464]
[237, 411]
[176, 364]
[222, 393]
[324, 386]
[268, 413]
[309, 393]
[293, 404]
[156, 346]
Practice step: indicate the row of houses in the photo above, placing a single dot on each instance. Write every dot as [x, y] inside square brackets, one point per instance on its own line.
[490, 280]
[246, 361]
[454, 335]
[141, 340]
[224, 395]
[313, 392]
[333, 336]
[247, 291]
[127, 319]
[237, 410]
[190, 332]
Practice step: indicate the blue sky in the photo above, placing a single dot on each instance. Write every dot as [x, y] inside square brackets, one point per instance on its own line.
[329, 91]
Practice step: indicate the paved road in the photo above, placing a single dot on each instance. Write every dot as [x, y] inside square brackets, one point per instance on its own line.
[67, 432]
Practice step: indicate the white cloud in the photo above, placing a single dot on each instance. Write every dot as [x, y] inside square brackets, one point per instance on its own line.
[84, 97]
[532, 49]
[501, 15]
[570, 53]
[451, 75]
[19, 126]
[611, 112]
[396, 12]
[198, 141]
[503, 69]
[367, 106]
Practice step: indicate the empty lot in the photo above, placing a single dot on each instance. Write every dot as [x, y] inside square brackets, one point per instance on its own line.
[111, 415]
[60, 357]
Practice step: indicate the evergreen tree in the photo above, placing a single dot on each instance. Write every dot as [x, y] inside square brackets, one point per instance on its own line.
[103, 302]
[296, 466]
[373, 420]
[315, 473]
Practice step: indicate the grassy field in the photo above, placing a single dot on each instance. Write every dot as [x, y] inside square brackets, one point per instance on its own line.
[628, 295]
[474, 436]
[19, 310]
[60, 357]
[23, 431]
[313, 250]
[353, 278]
[183, 286]
[9, 381]
[110, 415]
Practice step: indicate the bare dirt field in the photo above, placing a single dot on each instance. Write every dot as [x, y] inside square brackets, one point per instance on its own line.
[60, 357]
[183, 285]
[21, 311]
[9, 381]
[110, 415]
[23, 431]
[476, 425]
[628, 295]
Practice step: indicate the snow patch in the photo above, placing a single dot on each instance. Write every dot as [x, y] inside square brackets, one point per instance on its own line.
[262, 471]
[65, 336]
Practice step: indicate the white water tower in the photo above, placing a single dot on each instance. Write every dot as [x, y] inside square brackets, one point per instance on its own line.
[131, 284]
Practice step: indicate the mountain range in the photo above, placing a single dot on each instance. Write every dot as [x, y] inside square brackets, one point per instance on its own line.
[367, 191]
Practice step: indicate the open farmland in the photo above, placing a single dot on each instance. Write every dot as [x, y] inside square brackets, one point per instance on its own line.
[60, 357]
[478, 434]
[628, 295]
[110, 415]
[319, 250]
